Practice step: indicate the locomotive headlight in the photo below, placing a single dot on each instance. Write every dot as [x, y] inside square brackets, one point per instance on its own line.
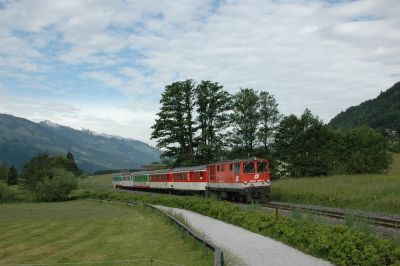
[268, 181]
[245, 182]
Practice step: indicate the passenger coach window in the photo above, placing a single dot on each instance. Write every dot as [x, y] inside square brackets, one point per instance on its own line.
[249, 167]
[262, 167]
[230, 167]
[237, 168]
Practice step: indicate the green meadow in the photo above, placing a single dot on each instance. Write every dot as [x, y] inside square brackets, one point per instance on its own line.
[365, 192]
[87, 231]
[96, 181]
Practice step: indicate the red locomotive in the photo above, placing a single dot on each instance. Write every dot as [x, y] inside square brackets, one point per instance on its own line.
[245, 180]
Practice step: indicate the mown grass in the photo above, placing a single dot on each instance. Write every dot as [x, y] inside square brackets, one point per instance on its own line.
[85, 231]
[364, 192]
[96, 181]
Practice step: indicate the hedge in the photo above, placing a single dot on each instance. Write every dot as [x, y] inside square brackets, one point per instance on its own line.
[336, 243]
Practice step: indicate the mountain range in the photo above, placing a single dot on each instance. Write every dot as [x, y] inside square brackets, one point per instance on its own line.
[21, 139]
[382, 113]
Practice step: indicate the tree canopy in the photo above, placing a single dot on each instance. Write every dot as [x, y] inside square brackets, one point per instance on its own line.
[202, 123]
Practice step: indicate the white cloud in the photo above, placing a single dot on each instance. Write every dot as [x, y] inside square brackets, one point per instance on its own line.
[309, 54]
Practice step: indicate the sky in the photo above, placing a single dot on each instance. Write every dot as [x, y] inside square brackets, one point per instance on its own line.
[103, 64]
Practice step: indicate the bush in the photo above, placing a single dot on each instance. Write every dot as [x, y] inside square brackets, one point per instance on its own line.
[6, 194]
[337, 243]
[55, 187]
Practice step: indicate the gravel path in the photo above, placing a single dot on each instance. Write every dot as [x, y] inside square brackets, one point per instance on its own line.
[250, 248]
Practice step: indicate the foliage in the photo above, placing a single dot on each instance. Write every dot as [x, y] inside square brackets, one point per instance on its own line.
[174, 125]
[49, 178]
[6, 193]
[254, 128]
[36, 170]
[55, 187]
[12, 177]
[312, 149]
[245, 118]
[365, 151]
[280, 169]
[337, 243]
[303, 143]
[380, 113]
[212, 104]
[72, 166]
[269, 117]
[3, 171]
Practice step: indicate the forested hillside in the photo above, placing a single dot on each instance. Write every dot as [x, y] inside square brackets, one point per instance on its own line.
[381, 113]
[21, 139]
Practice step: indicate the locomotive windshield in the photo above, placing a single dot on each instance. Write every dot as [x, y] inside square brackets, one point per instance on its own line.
[262, 167]
[249, 168]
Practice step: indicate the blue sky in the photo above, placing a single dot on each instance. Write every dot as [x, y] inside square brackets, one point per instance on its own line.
[103, 64]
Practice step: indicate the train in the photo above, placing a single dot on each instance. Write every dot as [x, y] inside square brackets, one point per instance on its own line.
[246, 180]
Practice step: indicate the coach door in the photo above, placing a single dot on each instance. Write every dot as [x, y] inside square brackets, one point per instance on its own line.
[213, 174]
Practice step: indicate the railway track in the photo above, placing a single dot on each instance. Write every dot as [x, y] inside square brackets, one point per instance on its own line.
[337, 214]
[386, 222]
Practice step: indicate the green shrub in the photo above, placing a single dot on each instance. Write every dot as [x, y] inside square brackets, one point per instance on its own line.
[6, 194]
[336, 243]
[55, 187]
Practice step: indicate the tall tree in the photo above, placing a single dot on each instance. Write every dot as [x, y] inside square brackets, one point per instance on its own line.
[303, 144]
[3, 171]
[213, 103]
[36, 170]
[12, 176]
[269, 117]
[174, 125]
[245, 118]
[73, 167]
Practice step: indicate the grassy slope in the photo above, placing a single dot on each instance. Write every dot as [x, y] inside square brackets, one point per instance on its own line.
[366, 192]
[78, 231]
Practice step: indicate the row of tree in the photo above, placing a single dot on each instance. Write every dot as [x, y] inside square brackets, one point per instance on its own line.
[45, 177]
[8, 174]
[198, 121]
[202, 123]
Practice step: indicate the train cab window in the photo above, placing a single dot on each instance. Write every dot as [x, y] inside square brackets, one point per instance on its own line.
[217, 168]
[230, 167]
[237, 168]
[261, 167]
[249, 168]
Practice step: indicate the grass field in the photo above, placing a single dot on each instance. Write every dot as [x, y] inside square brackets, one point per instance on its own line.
[86, 231]
[365, 192]
[96, 181]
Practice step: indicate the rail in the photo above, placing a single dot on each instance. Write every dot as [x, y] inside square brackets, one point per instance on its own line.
[337, 214]
[218, 252]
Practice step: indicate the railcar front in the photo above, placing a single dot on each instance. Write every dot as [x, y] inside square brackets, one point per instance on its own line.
[246, 180]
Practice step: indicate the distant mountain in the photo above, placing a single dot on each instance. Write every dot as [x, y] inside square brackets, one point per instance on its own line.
[20, 139]
[381, 113]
